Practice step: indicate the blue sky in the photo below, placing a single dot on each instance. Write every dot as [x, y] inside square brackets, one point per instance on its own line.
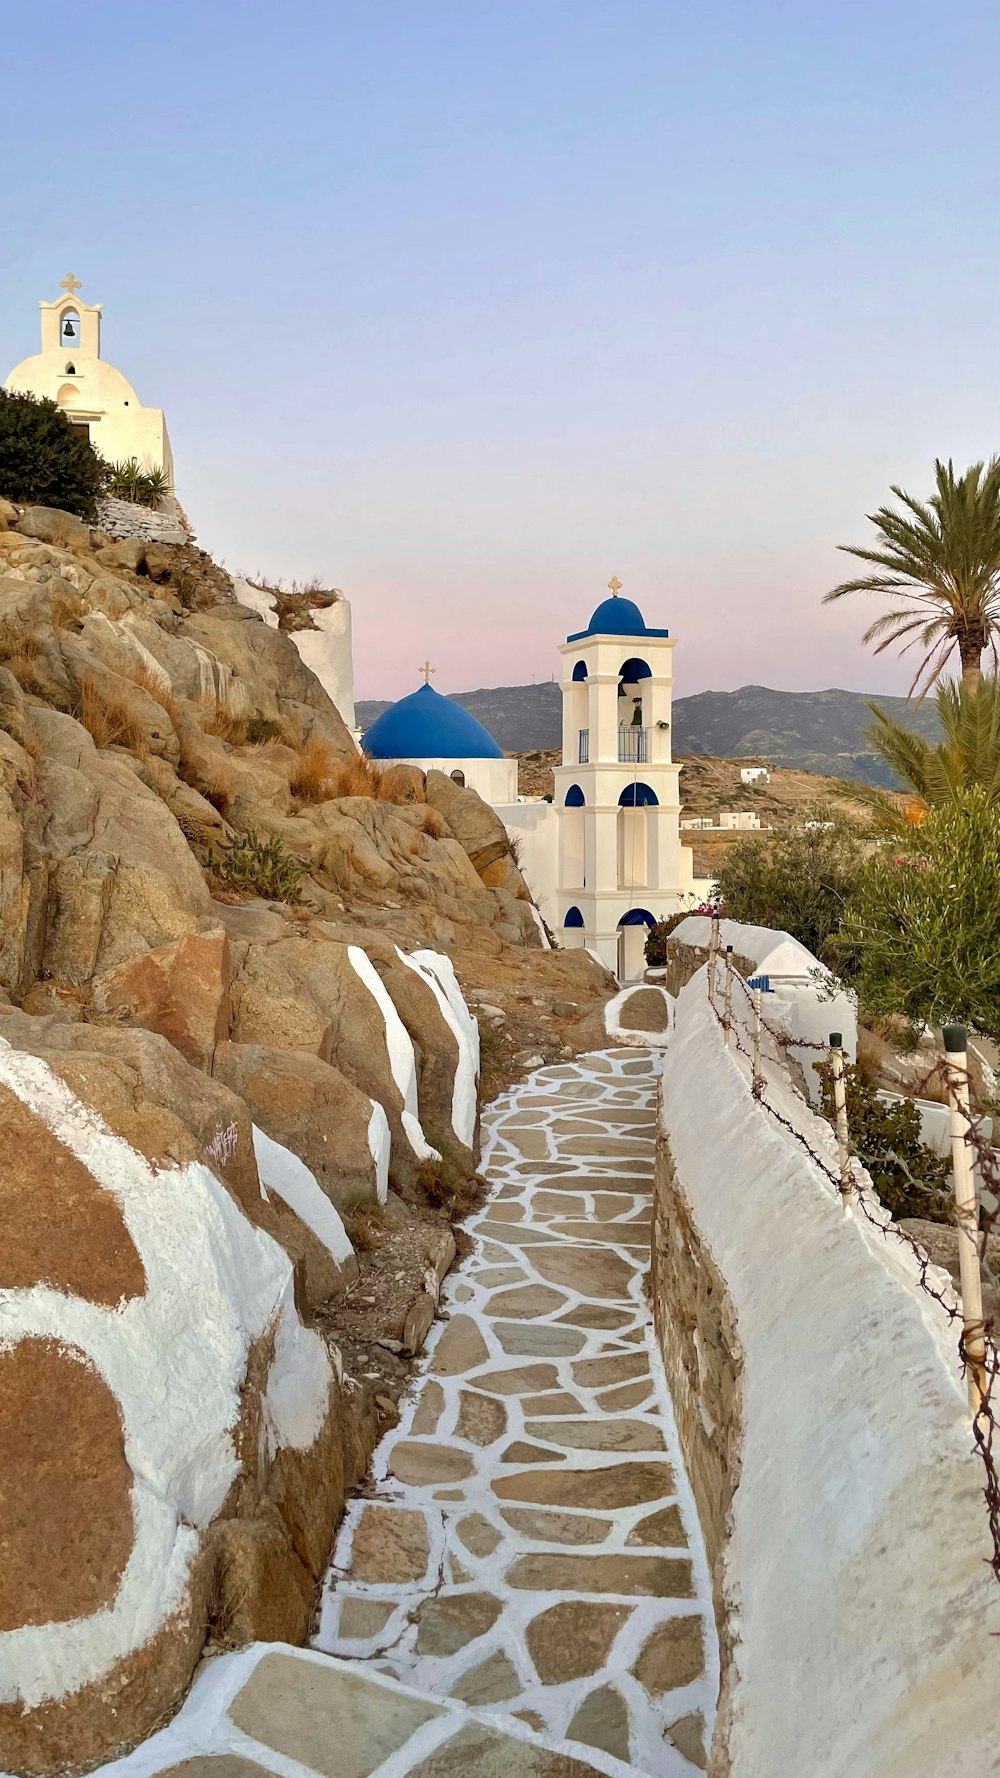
[467, 306]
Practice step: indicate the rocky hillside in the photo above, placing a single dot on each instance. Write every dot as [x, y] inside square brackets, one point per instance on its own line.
[811, 731]
[236, 965]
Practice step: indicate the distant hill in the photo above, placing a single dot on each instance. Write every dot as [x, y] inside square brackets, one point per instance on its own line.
[814, 731]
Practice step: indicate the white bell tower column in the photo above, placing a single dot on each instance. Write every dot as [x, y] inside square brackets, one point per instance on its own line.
[621, 864]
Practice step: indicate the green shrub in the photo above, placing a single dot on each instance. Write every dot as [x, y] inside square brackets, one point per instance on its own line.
[800, 880]
[910, 1178]
[920, 936]
[45, 460]
[260, 867]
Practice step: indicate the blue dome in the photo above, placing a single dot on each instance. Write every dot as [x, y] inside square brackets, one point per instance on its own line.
[427, 725]
[617, 617]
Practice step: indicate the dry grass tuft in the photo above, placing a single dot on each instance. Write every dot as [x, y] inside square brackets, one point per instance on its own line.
[316, 777]
[142, 674]
[359, 776]
[434, 823]
[217, 719]
[365, 1227]
[110, 720]
[873, 1053]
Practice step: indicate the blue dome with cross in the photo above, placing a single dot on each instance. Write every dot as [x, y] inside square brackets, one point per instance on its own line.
[616, 617]
[427, 725]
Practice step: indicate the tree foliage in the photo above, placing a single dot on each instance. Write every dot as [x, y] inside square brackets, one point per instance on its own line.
[910, 1178]
[45, 460]
[801, 880]
[939, 562]
[967, 754]
[920, 933]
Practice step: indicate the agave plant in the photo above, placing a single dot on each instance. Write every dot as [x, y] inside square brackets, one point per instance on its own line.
[141, 487]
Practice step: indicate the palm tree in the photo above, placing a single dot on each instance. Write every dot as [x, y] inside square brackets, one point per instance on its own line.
[968, 753]
[941, 562]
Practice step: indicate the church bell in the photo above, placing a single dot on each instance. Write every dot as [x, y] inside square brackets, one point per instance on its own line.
[69, 332]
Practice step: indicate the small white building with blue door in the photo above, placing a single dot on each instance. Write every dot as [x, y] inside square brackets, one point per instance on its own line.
[621, 865]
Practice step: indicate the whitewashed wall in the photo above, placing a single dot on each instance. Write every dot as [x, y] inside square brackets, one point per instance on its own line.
[863, 1615]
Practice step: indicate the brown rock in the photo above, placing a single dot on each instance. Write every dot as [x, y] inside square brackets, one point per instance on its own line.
[477, 827]
[673, 1655]
[521, 1452]
[594, 1373]
[61, 1227]
[339, 1724]
[687, 1734]
[617, 1485]
[525, 1380]
[430, 1406]
[598, 1435]
[481, 1751]
[573, 1639]
[263, 1592]
[363, 1618]
[48, 525]
[526, 1303]
[180, 990]
[67, 1518]
[478, 1535]
[537, 1340]
[491, 1683]
[309, 1107]
[390, 1544]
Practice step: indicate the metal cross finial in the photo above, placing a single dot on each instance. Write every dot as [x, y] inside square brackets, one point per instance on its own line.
[427, 670]
[615, 585]
[70, 283]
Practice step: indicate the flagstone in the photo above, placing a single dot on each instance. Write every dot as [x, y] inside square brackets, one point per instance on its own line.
[524, 1380]
[420, 1464]
[605, 1488]
[573, 1639]
[521, 1452]
[362, 1618]
[687, 1734]
[480, 1751]
[493, 1682]
[449, 1622]
[539, 1340]
[598, 1435]
[430, 1405]
[500, 1212]
[460, 1349]
[559, 1402]
[529, 1300]
[628, 1395]
[215, 1765]
[597, 1315]
[673, 1656]
[602, 1721]
[589, 1270]
[556, 1527]
[481, 1418]
[492, 1276]
[478, 1535]
[390, 1543]
[650, 1577]
[342, 1725]
[665, 1529]
[616, 1234]
[593, 1373]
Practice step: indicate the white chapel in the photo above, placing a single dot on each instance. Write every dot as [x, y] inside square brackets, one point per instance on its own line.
[94, 395]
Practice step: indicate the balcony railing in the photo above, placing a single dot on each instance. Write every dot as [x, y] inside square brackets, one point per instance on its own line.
[633, 746]
[584, 753]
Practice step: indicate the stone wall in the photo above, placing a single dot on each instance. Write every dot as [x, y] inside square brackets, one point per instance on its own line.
[826, 1430]
[121, 518]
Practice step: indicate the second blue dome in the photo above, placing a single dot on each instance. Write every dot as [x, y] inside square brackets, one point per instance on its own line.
[427, 725]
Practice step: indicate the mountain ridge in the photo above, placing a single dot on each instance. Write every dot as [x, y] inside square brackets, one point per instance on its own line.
[814, 731]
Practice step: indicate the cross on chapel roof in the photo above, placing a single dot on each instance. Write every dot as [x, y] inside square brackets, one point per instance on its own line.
[615, 585]
[427, 670]
[70, 283]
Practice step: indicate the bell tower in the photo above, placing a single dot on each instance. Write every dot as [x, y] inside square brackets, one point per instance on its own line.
[621, 864]
[69, 325]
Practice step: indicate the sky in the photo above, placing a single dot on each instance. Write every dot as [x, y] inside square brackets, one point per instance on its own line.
[465, 306]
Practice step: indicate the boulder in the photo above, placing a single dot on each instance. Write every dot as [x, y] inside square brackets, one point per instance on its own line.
[474, 824]
[170, 1316]
[48, 525]
[180, 990]
[267, 665]
[8, 514]
[312, 1110]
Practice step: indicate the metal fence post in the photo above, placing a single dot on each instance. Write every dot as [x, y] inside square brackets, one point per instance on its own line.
[713, 952]
[966, 1214]
[727, 1013]
[840, 1110]
[757, 1081]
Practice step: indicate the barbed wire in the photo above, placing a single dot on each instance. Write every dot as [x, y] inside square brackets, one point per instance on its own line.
[983, 1368]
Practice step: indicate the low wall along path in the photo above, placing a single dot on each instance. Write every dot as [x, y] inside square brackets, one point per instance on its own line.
[525, 1589]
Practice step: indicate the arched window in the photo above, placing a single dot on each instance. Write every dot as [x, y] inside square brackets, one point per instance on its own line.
[637, 917]
[458, 776]
[631, 671]
[70, 370]
[69, 327]
[573, 917]
[580, 671]
[575, 798]
[637, 796]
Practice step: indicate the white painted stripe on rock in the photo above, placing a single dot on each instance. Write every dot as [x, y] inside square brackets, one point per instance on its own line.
[380, 1144]
[402, 1060]
[439, 974]
[283, 1172]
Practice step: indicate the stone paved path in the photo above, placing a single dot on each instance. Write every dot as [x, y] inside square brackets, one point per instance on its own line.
[531, 1548]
